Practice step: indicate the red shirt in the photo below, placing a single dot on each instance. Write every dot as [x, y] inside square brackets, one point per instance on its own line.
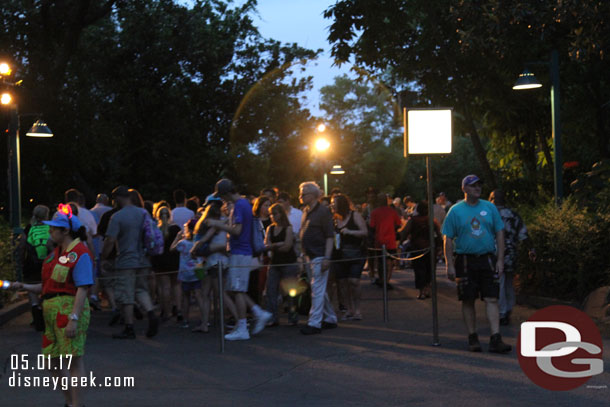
[385, 220]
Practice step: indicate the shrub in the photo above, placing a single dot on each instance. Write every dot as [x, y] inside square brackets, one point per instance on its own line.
[7, 270]
[572, 245]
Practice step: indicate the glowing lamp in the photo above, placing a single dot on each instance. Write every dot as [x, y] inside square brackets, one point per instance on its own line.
[6, 98]
[322, 144]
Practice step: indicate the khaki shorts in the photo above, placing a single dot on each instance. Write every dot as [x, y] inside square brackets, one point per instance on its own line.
[128, 283]
[239, 272]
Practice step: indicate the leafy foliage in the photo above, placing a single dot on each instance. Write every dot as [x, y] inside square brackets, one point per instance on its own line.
[559, 272]
[466, 54]
[147, 94]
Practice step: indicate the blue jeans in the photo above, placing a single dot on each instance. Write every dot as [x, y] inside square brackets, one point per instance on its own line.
[506, 300]
[288, 274]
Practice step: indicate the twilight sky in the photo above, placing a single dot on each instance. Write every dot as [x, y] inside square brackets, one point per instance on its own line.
[301, 21]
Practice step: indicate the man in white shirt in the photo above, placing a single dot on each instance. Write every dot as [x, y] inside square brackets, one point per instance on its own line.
[294, 214]
[181, 214]
[84, 215]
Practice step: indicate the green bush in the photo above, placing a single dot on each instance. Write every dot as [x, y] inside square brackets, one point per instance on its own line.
[7, 270]
[573, 256]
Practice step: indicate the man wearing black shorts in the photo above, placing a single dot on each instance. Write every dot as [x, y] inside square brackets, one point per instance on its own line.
[477, 228]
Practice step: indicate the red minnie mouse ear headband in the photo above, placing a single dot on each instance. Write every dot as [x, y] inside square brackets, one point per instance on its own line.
[64, 218]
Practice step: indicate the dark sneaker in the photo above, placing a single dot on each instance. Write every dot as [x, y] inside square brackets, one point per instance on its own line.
[153, 327]
[127, 333]
[473, 343]
[38, 318]
[497, 346]
[310, 330]
[116, 316]
[328, 325]
[504, 321]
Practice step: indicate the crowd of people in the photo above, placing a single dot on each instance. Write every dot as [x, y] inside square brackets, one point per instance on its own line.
[154, 259]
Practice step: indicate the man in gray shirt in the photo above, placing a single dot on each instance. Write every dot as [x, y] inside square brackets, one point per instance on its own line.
[132, 265]
[317, 235]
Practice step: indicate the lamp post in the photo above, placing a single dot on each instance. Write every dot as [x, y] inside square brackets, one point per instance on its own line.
[321, 146]
[428, 132]
[527, 80]
[39, 129]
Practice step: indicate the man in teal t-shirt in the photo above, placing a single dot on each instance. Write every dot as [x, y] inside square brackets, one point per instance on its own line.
[477, 228]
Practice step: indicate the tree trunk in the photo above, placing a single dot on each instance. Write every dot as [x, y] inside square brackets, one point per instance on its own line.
[488, 175]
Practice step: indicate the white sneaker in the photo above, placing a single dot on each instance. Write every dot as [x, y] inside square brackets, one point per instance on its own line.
[238, 335]
[261, 321]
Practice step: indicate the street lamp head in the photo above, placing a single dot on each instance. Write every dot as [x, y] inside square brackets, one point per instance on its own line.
[39, 129]
[321, 128]
[6, 99]
[5, 69]
[337, 170]
[526, 80]
[322, 144]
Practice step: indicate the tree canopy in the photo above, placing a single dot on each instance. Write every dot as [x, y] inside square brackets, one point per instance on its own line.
[467, 54]
[142, 92]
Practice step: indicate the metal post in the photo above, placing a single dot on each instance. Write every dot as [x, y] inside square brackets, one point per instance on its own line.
[325, 184]
[221, 308]
[432, 253]
[385, 285]
[14, 170]
[555, 115]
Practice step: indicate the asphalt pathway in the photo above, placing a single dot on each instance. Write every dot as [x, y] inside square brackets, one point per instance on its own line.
[361, 363]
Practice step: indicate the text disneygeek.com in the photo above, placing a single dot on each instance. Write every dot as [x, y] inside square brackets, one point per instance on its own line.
[22, 365]
[64, 383]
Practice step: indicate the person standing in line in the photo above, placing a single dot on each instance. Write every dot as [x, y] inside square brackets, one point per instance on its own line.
[34, 246]
[350, 250]
[417, 229]
[181, 214]
[514, 233]
[317, 237]
[279, 240]
[240, 261]
[167, 263]
[477, 228]
[385, 221]
[132, 265]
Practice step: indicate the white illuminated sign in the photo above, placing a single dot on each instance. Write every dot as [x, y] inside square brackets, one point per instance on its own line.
[429, 131]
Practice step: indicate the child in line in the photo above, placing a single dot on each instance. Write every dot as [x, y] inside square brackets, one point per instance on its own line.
[214, 243]
[191, 285]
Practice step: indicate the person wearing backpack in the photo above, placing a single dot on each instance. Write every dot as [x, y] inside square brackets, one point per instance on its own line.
[261, 221]
[132, 265]
[35, 247]
[240, 261]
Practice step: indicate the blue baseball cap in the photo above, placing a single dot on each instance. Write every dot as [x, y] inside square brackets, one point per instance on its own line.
[212, 199]
[470, 179]
[61, 220]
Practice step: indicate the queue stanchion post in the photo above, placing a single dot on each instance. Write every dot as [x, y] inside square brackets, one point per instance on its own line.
[385, 283]
[432, 254]
[221, 308]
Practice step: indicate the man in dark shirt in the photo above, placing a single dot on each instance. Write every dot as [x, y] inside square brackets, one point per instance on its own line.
[317, 245]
